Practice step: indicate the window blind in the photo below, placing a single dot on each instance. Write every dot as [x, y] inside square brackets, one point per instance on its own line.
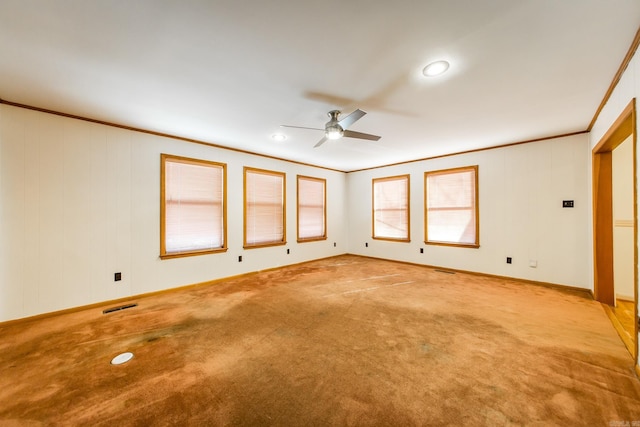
[311, 208]
[264, 207]
[193, 206]
[391, 208]
[451, 208]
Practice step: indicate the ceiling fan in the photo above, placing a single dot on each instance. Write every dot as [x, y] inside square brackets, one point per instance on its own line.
[336, 128]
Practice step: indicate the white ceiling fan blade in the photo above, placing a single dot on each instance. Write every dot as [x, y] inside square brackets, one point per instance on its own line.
[351, 118]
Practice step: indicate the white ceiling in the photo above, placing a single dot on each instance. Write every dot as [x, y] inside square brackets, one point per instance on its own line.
[229, 72]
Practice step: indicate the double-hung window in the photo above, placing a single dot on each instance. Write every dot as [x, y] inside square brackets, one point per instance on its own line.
[312, 213]
[193, 206]
[264, 208]
[391, 208]
[451, 207]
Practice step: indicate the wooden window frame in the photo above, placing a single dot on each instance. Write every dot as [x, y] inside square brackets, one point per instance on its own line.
[373, 207]
[283, 175]
[476, 207]
[324, 209]
[164, 158]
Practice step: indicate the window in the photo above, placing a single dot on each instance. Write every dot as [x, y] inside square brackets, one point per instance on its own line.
[391, 208]
[264, 208]
[451, 207]
[193, 207]
[312, 223]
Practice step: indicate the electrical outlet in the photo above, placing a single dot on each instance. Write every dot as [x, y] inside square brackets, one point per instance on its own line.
[366, 245]
[239, 258]
[288, 251]
[334, 244]
[421, 250]
[508, 260]
[117, 277]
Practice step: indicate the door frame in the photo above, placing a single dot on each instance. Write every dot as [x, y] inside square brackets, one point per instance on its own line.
[602, 167]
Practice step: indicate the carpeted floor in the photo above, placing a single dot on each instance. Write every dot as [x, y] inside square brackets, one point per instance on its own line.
[340, 341]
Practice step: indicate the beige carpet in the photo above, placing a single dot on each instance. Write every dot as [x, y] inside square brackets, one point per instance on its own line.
[340, 341]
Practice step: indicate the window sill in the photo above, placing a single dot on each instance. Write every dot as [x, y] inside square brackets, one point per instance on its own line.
[264, 245]
[193, 253]
[458, 245]
[312, 239]
[390, 239]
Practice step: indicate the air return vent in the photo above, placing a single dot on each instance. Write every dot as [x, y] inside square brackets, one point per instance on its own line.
[120, 307]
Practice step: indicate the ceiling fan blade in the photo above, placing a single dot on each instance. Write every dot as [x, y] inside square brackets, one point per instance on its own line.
[360, 135]
[300, 127]
[322, 141]
[351, 118]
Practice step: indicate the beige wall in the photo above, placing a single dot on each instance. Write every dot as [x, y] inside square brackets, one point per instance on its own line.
[80, 201]
[521, 189]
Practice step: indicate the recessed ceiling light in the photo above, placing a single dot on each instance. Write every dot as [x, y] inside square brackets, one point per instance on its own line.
[278, 137]
[435, 68]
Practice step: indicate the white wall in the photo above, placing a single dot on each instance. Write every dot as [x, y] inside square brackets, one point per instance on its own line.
[521, 189]
[622, 183]
[80, 201]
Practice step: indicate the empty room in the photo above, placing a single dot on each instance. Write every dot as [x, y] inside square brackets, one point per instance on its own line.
[319, 213]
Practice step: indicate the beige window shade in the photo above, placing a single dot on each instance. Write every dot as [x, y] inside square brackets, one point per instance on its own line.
[264, 207]
[391, 208]
[193, 206]
[451, 206]
[311, 208]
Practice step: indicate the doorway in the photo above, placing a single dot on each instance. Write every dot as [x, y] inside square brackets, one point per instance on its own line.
[603, 225]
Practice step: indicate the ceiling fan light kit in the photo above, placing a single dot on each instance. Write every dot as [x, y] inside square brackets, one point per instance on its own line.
[334, 132]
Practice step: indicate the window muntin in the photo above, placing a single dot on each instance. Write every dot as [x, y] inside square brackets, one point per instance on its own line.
[312, 210]
[391, 208]
[264, 208]
[451, 207]
[193, 206]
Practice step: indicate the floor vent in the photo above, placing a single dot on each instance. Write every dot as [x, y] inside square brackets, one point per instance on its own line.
[445, 271]
[121, 307]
